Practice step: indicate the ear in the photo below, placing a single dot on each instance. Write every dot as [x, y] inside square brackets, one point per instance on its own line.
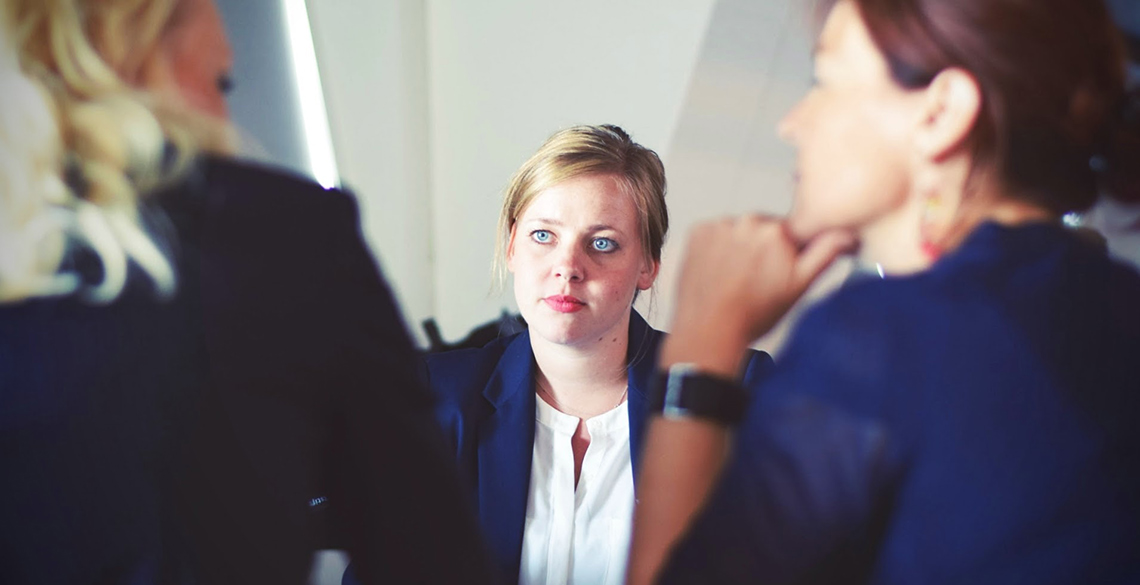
[511, 250]
[648, 274]
[950, 110]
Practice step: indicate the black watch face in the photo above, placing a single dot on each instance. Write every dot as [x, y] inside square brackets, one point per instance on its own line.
[687, 394]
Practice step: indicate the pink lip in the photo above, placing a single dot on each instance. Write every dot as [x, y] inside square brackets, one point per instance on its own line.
[564, 303]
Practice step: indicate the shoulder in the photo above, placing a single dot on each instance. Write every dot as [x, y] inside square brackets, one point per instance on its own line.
[645, 341]
[458, 376]
[874, 343]
[645, 345]
[257, 179]
[247, 200]
[258, 223]
[850, 348]
[271, 192]
[866, 308]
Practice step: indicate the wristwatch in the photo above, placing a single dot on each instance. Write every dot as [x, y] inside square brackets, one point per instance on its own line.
[684, 391]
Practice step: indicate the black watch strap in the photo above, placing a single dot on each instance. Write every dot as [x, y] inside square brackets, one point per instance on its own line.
[685, 392]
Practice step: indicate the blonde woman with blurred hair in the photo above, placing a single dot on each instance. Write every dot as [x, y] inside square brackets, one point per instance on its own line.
[546, 425]
[201, 367]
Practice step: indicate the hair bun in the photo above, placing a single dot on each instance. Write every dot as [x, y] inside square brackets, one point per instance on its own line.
[1118, 163]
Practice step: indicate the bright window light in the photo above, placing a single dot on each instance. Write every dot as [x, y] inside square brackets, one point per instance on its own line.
[314, 116]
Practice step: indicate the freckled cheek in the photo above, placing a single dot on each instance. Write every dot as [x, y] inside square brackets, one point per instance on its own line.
[620, 284]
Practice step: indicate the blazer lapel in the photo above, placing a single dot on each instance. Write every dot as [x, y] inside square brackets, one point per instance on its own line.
[642, 359]
[506, 445]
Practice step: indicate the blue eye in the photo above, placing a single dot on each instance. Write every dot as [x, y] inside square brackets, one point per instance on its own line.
[604, 244]
[541, 236]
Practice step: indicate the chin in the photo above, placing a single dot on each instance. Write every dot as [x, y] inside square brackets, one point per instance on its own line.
[803, 228]
[562, 337]
[561, 333]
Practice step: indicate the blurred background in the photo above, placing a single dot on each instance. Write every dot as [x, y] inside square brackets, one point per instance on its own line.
[424, 109]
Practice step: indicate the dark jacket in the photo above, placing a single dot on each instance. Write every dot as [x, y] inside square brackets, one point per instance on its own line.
[487, 411]
[185, 440]
[976, 423]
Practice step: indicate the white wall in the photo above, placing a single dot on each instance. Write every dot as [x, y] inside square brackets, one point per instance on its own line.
[264, 103]
[372, 58]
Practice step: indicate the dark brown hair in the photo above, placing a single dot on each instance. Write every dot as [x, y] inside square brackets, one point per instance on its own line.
[1057, 125]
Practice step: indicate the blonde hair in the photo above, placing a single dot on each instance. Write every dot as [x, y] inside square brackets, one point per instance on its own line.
[589, 150]
[111, 141]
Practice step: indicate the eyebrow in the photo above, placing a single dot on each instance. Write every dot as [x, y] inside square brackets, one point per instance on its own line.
[545, 221]
[594, 228]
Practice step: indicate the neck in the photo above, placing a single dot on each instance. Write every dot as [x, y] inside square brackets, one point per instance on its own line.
[893, 241]
[584, 380]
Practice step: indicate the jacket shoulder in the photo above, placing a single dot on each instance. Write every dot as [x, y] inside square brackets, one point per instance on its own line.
[254, 174]
[267, 188]
[456, 377]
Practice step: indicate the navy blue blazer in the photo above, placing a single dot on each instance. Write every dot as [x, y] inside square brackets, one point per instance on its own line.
[486, 405]
[977, 423]
[182, 441]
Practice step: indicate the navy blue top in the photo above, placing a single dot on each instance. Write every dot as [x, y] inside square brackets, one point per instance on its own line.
[487, 410]
[977, 423]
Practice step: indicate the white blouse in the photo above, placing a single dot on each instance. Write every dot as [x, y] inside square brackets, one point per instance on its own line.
[578, 537]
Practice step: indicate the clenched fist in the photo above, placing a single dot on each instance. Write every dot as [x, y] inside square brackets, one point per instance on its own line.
[738, 279]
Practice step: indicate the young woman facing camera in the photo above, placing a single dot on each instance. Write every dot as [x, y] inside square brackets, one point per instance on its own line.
[547, 424]
[972, 421]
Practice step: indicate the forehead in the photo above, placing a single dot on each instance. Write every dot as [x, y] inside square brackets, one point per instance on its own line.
[198, 28]
[844, 34]
[588, 199]
[846, 51]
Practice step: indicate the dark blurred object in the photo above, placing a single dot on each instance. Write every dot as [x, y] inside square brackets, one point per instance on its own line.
[1092, 237]
[282, 421]
[192, 440]
[1127, 16]
[506, 324]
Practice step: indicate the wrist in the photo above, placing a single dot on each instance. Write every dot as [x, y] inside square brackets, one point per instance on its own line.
[685, 392]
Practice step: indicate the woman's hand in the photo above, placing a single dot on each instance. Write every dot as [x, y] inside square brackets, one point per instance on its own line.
[738, 279]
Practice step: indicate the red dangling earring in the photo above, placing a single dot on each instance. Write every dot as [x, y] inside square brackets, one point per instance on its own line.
[931, 250]
[926, 245]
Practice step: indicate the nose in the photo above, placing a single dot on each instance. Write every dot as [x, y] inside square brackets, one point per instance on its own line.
[568, 265]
